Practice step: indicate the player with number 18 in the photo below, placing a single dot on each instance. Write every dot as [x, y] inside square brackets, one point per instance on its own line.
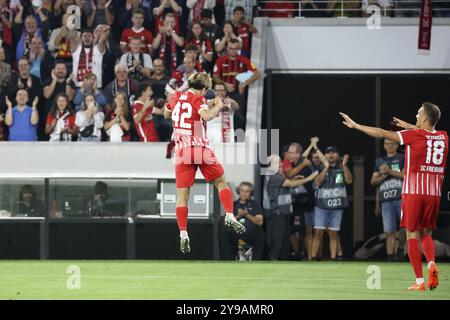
[426, 151]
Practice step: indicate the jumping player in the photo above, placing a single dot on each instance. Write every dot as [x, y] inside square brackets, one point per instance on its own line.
[190, 112]
[425, 159]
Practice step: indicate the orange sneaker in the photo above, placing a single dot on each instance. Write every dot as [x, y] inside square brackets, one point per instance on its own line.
[433, 280]
[418, 287]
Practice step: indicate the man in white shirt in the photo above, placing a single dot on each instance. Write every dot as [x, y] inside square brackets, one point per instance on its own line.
[87, 56]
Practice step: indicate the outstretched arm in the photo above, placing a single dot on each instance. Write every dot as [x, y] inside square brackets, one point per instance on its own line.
[370, 131]
[404, 124]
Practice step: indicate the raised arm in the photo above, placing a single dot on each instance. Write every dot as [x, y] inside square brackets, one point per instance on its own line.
[326, 166]
[9, 114]
[348, 176]
[157, 11]
[370, 131]
[312, 145]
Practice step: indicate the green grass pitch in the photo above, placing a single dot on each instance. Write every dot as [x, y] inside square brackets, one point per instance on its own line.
[47, 279]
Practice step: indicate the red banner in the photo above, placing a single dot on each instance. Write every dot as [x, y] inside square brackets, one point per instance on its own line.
[425, 26]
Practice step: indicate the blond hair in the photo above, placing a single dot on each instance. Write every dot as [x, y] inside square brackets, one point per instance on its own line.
[199, 81]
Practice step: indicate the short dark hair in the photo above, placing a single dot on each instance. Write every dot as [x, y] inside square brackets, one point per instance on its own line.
[144, 85]
[138, 11]
[59, 61]
[206, 13]
[432, 111]
[191, 47]
[23, 58]
[220, 84]
[233, 41]
[239, 8]
[27, 188]
[87, 30]
[101, 188]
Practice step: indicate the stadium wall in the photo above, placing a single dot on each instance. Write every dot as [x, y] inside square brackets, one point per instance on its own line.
[348, 44]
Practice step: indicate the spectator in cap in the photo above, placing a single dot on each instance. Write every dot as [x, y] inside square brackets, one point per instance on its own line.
[331, 198]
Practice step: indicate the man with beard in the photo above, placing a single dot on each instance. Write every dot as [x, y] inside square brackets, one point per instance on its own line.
[52, 87]
[87, 57]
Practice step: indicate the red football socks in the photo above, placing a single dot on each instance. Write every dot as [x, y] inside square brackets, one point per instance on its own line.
[415, 257]
[226, 199]
[182, 215]
[428, 248]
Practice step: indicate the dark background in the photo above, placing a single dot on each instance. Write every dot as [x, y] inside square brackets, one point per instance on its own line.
[307, 105]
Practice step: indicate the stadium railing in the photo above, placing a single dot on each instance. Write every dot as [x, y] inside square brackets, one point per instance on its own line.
[440, 7]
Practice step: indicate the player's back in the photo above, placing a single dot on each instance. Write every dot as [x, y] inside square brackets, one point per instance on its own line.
[189, 129]
[425, 160]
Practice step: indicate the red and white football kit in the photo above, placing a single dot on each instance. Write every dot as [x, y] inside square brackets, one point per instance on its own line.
[425, 159]
[146, 127]
[192, 145]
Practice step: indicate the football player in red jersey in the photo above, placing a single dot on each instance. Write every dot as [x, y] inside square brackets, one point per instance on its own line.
[190, 112]
[425, 157]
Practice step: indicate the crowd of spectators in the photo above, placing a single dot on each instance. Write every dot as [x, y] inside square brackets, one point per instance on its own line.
[102, 70]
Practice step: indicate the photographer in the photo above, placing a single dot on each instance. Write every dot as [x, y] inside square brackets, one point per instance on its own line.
[221, 128]
[277, 205]
[60, 124]
[296, 163]
[388, 178]
[331, 199]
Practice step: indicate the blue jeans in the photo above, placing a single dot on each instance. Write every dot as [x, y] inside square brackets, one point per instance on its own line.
[327, 218]
[391, 211]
